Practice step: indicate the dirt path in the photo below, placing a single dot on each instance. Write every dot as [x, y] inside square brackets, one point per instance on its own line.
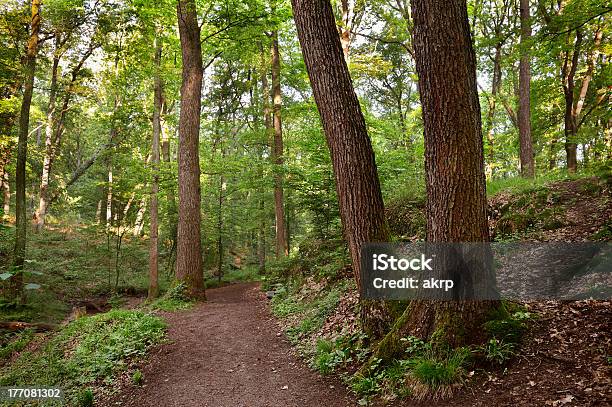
[227, 352]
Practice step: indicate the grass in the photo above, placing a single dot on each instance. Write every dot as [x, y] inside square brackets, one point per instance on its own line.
[247, 273]
[518, 185]
[88, 352]
[174, 299]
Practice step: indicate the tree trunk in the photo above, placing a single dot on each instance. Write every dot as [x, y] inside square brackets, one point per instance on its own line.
[46, 169]
[153, 238]
[16, 282]
[569, 73]
[277, 152]
[54, 130]
[495, 86]
[357, 185]
[6, 192]
[189, 246]
[261, 246]
[454, 165]
[524, 108]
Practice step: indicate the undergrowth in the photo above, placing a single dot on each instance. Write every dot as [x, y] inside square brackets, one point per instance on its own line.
[89, 352]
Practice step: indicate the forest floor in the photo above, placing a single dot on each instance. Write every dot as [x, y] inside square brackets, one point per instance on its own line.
[228, 351]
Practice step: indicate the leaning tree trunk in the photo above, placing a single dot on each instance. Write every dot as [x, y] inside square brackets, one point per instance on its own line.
[153, 234]
[524, 108]
[357, 185]
[277, 152]
[189, 246]
[454, 165]
[16, 282]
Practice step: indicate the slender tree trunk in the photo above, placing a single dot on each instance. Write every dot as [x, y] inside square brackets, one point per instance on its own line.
[153, 237]
[140, 218]
[524, 108]
[54, 130]
[170, 194]
[189, 245]
[277, 152]
[496, 85]
[261, 247]
[46, 169]
[571, 129]
[16, 281]
[5, 185]
[109, 196]
[220, 225]
[357, 184]
[347, 7]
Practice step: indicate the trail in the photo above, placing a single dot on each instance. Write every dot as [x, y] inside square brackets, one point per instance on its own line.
[226, 352]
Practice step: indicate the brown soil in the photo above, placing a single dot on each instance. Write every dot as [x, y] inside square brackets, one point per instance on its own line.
[563, 362]
[228, 352]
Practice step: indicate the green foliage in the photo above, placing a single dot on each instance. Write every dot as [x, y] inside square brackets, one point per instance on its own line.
[85, 398]
[11, 342]
[137, 377]
[345, 349]
[497, 351]
[88, 350]
[244, 274]
[175, 299]
[435, 371]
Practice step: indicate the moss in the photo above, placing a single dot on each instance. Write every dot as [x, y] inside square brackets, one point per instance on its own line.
[509, 330]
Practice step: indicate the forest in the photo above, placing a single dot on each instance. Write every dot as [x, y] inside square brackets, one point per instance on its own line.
[190, 191]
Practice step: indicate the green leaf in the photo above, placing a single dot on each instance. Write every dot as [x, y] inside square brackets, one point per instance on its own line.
[5, 276]
[32, 286]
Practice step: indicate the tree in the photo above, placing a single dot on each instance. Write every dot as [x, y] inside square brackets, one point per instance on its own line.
[54, 128]
[357, 184]
[22, 150]
[153, 235]
[454, 165]
[189, 245]
[277, 151]
[524, 108]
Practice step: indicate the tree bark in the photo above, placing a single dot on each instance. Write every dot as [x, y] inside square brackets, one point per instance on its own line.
[277, 152]
[524, 108]
[153, 234]
[357, 184]
[454, 166]
[189, 246]
[16, 282]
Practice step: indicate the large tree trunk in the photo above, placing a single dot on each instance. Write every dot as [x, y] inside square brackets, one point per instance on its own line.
[454, 165]
[153, 238]
[21, 221]
[357, 185]
[189, 246]
[524, 108]
[277, 152]
[454, 162]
